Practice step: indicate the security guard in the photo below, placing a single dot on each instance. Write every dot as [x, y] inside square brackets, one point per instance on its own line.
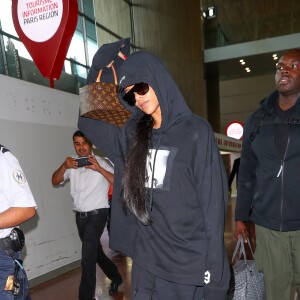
[16, 206]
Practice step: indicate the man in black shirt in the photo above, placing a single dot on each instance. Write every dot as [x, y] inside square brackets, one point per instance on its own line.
[269, 182]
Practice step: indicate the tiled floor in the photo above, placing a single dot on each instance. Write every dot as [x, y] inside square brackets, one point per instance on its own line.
[65, 287]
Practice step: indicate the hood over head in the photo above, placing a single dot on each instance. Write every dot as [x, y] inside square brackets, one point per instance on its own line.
[145, 67]
[105, 55]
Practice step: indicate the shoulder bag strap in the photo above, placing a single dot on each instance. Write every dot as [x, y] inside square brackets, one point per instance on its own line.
[258, 123]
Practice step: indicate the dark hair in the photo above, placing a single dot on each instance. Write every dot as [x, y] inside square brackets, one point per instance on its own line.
[135, 196]
[79, 133]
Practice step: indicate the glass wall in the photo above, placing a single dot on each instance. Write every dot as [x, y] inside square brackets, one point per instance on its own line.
[89, 35]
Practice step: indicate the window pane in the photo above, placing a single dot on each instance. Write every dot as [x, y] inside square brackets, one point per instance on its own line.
[6, 17]
[67, 67]
[92, 49]
[88, 8]
[92, 45]
[76, 49]
[78, 70]
[91, 30]
[79, 6]
[79, 24]
[11, 44]
[70, 67]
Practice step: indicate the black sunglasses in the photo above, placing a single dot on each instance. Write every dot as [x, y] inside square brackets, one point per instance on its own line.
[139, 88]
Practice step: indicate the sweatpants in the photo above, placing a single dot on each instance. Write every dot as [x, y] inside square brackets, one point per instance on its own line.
[146, 286]
[277, 255]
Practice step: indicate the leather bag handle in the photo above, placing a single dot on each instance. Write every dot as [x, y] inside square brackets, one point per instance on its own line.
[114, 73]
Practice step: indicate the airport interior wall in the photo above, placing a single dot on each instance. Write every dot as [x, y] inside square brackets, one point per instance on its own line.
[36, 125]
[240, 97]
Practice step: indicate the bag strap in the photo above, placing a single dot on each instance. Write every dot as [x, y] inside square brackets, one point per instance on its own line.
[241, 246]
[236, 249]
[114, 73]
[259, 122]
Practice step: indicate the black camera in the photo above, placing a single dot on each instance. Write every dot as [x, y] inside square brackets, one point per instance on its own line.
[83, 161]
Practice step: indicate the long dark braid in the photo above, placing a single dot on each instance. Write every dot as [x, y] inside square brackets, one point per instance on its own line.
[135, 196]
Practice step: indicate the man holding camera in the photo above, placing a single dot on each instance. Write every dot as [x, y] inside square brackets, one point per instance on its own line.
[16, 206]
[90, 177]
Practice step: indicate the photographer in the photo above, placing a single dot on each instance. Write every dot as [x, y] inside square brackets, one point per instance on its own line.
[89, 188]
[16, 206]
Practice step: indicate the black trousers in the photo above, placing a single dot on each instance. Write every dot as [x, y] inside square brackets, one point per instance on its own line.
[90, 230]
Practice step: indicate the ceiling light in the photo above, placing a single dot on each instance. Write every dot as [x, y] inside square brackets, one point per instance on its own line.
[212, 11]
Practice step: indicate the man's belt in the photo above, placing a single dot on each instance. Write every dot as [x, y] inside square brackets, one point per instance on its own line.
[90, 213]
[5, 243]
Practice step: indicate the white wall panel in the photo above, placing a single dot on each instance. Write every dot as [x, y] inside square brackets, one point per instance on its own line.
[240, 97]
[36, 125]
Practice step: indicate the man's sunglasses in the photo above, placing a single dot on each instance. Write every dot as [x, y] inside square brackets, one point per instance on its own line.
[140, 89]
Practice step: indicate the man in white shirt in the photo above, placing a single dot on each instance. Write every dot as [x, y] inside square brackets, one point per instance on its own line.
[16, 206]
[89, 186]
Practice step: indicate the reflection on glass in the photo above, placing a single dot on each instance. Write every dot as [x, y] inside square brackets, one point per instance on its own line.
[67, 67]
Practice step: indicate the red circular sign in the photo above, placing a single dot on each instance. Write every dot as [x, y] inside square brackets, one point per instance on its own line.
[46, 28]
[235, 130]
